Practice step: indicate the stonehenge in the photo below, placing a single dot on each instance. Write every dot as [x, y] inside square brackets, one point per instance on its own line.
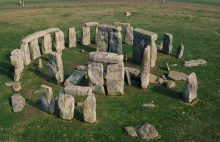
[72, 37]
[85, 40]
[46, 44]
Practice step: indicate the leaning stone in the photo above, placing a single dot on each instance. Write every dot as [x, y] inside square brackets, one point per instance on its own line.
[89, 109]
[18, 102]
[127, 14]
[25, 54]
[66, 106]
[128, 77]
[180, 50]
[72, 37]
[85, 35]
[102, 40]
[46, 44]
[59, 41]
[16, 87]
[194, 63]
[105, 57]
[147, 131]
[34, 49]
[47, 99]
[40, 65]
[115, 42]
[177, 75]
[91, 24]
[134, 72]
[170, 84]
[145, 73]
[191, 88]
[75, 78]
[78, 90]
[129, 35]
[130, 130]
[167, 43]
[153, 78]
[168, 68]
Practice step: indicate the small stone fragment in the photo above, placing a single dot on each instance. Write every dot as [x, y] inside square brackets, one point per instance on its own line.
[150, 105]
[153, 78]
[164, 77]
[180, 50]
[127, 14]
[160, 81]
[16, 87]
[40, 65]
[75, 78]
[81, 68]
[79, 104]
[89, 109]
[168, 68]
[18, 102]
[170, 84]
[131, 131]
[147, 131]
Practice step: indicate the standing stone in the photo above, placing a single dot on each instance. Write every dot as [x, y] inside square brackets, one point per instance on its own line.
[34, 49]
[145, 73]
[40, 65]
[59, 42]
[96, 33]
[85, 35]
[167, 43]
[66, 106]
[18, 102]
[47, 99]
[102, 40]
[180, 50]
[95, 75]
[138, 49]
[191, 88]
[56, 66]
[153, 54]
[128, 76]
[17, 62]
[46, 44]
[115, 42]
[129, 35]
[147, 131]
[75, 78]
[115, 79]
[72, 37]
[89, 109]
[25, 54]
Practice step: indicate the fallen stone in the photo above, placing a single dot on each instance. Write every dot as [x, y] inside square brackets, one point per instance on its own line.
[16, 87]
[78, 90]
[127, 14]
[34, 49]
[177, 75]
[18, 102]
[89, 109]
[147, 131]
[180, 50]
[170, 84]
[9, 84]
[75, 78]
[168, 68]
[131, 131]
[194, 63]
[173, 65]
[164, 77]
[105, 57]
[153, 78]
[91, 24]
[150, 105]
[47, 99]
[167, 43]
[160, 81]
[81, 68]
[134, 72]
[145, 72]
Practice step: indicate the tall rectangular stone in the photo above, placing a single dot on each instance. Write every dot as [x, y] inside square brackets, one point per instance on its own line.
[129, 35]
[89, 109]
[138, 49]
[85, 35]
[46, 44]
[102, 40]
[25, 53]
[167, 43]
[72, 37]
[47, 99]
[34, 49]
[145, 72]
[115, 42]
[59, 41]
[153, 54]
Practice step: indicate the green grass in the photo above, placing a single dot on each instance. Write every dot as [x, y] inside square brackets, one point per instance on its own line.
[175, 121]
[209, 2]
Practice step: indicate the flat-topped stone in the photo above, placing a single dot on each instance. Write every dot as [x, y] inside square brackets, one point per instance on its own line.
[91, 24]
[109, 28]
[140, 33]
[121, 24]
[105, 57]
[175, 75]
[78, 90]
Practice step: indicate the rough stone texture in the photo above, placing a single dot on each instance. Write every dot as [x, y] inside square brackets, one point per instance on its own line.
[130, 130]
[56, 66]
[153, 54]
[160, 80]
[102, 40]
[95, 75]
[152, 78]
[194, 63]
[147, 131]
[115, 42]
[138, 49]
[110, 28]
[46, 44]
[78, 90]
[25, 54]
[129, 35]
[59, 42]
[127, 14]
[34, 49]
[170, 84]
[145, 72]
[105, 57]
[18, 102]
[144, 34]
[47, 99]
[72, 37]
[167, 43]
[160, 46]
[81, 68]
[9, 84]
[75, 78]
[175, 75]
[91, 24]
[115, 79]
[191, 88]
[168, 68]
[121, 24]
[17, 62]
[179, 51]
[133, 72]
[66, 106]
[16, 87]
[89, 109]
[85, 35]
[128, 76]
[40, 65]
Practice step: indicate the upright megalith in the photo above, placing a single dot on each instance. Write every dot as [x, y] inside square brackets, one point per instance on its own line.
[145, 72]
[95, 76]
[167, 43]
[56, 66]
[191, 88]
[102, 40]
[25, 53]
[180, 50]
[18, 63]
[47, 99]
[72, 37]
[34, 49]
[115, 42]
[105, 57]
[66, 104]
[46, 44]
[115, 79]
[59, 42]
[89, 109]
[85, 35]
[129, 35]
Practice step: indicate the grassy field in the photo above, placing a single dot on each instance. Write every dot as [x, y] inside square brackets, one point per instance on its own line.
[197, 27]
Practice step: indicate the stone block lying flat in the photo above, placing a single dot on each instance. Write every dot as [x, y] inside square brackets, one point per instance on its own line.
[121, 24]
[105, 57]
[175, 75]
[144, 34]
[75, 78]
[91, 24]
[78, 90]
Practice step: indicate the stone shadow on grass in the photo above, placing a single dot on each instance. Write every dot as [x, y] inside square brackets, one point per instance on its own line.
[36, 104]
[7, 70]
[78, 115]
[87, 48]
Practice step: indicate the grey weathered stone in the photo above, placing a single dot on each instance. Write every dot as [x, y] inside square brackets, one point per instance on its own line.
[47, 99]
[91, 24]
[160, 46]
[170, 84]
[130, 130]
[25, 54]
[9, 84]
[85, 35]
[89, 109]
[40, 65]
[192, 63]
[96, 34]
[168, 68]
[153, 54]
[179, 51]
[72, 37]
[167, 43]
[105, 57]
[134, 72]
[18, 102]
[144, 34]
[115, 42]
[129, 35]
[78, 90]
[109, 28]
[128, 76]
[191, 88]
[160, 80]
[66, 106]
[175, 75]
[127, 14]
[56, 66]
[95, 75]
[121, 24]
[153, 78]
[59, 42]
[46, 44]
[16, 87]
[147, 131]
[145, 72]
[115, 79]
[75, 78]
[102, 40]
[138, 49]
[34, 49]
[81, 68]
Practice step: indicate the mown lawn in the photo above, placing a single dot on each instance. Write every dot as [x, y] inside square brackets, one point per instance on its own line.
[197, 29]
